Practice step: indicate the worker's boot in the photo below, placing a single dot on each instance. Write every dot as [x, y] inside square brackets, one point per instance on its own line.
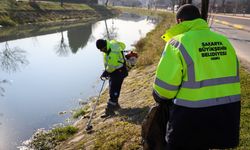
[108, 113]
[117, 107]
[110, 110]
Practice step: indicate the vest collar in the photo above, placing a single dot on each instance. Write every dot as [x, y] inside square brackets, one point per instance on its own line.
[197, 24]
[108, 44]
[108, 47]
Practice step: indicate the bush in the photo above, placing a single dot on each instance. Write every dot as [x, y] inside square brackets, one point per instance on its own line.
[79, 112]
[6, 21]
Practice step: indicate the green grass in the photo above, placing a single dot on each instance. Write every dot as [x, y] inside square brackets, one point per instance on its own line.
[6, 21]
[47, 140]
[12, 5]
[5, 4]
[63, 133]
[80, 112]
[245, 110]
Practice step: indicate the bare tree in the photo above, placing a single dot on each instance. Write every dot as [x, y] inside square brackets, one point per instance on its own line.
[182, 2]
[173, 2]
[213, 7]
[61, 1]
[2, 90]
[223, 3]
[106, 3]
[12, 58]
[62, 49]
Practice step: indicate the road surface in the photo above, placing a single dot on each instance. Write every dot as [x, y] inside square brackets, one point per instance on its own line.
[237, 29]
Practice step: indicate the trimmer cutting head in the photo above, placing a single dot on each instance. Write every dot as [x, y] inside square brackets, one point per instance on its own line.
[89, 129]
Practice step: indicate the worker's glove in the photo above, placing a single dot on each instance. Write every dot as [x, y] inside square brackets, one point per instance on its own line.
[105, 75]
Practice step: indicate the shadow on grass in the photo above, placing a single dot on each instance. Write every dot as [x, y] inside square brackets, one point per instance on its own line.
[133, 115]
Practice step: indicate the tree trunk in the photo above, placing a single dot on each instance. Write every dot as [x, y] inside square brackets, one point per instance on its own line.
[223, 3]
[173, 4]
[213, 7]
[204, 9]
[106, 3]
[182, 2]
[189, 1]
[61, 3]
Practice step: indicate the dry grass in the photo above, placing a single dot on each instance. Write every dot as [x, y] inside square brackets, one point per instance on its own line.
[245, 110]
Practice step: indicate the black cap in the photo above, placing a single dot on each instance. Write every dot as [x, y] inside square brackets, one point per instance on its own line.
[100, 43]
[188, 12]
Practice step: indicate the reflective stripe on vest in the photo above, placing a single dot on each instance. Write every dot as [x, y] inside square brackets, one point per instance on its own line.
[165, 86]
[192, 84]
[207, 102]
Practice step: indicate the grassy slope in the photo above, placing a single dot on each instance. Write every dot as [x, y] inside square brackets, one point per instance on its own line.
[123, 131]
[245, 110]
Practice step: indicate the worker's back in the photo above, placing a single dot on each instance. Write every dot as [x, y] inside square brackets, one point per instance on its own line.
[206, 109]
[198, 78]
[210, 68]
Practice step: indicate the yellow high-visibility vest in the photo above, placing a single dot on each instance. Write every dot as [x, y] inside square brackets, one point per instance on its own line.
[114, 60]
[198, 67]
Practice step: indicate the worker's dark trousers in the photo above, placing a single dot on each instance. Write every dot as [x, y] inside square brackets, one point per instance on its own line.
[172, 147]
[115, 83]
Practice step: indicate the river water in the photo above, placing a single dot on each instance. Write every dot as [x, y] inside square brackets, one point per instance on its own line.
[43, 75]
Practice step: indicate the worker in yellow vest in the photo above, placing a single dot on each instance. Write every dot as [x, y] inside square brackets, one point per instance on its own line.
[115, 71]
[198, 78]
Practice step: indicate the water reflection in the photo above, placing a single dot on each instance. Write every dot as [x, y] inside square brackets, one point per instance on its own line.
[131, 17]
[152, 20]
[12, 59]
[79, 36]
[2, 90]
[62, 49]
[111, 31]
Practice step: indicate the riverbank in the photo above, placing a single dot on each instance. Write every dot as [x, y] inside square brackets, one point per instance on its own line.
[123, 131]
[22, 19]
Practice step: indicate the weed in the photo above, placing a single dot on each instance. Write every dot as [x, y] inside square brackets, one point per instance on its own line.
[47, 140]
[6, 21]
[80, 112]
